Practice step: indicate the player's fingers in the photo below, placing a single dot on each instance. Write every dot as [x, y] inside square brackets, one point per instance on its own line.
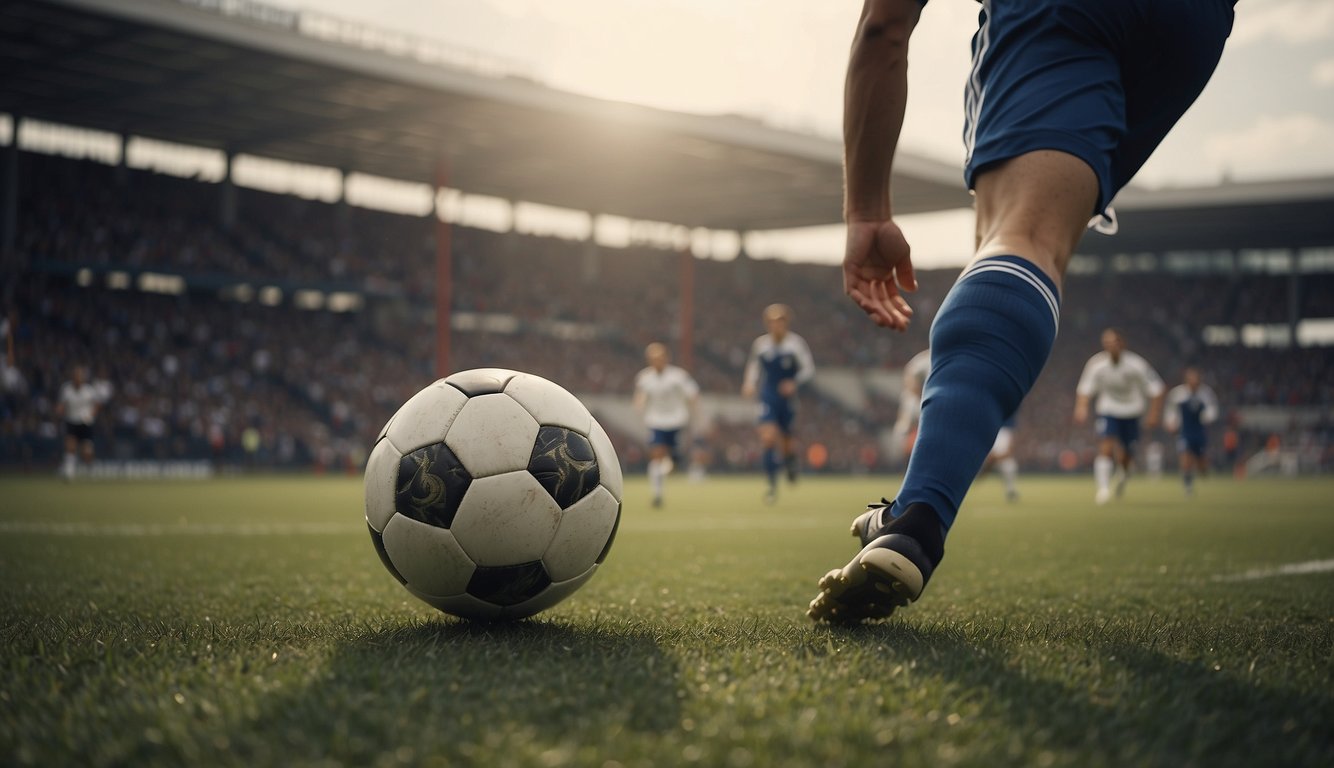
[865, 300]
[906, 275]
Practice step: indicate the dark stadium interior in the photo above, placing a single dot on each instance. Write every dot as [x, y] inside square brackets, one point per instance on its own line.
[192, 372]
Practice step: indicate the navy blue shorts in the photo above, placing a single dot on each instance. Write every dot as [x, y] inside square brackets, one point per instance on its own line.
[665, 437]
[779, 411]
[1126, 431]
[1103, 81]
[1191, 441]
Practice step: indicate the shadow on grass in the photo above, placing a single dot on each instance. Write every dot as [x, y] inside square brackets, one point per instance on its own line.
[449, 688]
[1115, 697]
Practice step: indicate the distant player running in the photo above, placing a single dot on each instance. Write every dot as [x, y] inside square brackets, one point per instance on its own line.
[1125, 387]
[78, 405]
[1065, 102]
[1191, 408]
[779, 362]
[667, 396]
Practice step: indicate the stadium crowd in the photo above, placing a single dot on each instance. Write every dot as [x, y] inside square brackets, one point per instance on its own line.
[196, 375]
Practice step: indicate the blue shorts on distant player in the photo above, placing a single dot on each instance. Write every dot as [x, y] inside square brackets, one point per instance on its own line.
[665, 437]
[1103, 81]
[1124, 430]
[1191, 441]
[779, 411]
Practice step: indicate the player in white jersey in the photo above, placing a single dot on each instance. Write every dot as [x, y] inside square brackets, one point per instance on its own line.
[1191, 407]
[78, 405]
[668, 397]
[1126, 388]
[910, 397]
[779, 362]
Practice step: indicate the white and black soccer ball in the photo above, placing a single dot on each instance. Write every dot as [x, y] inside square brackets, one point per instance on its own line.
[493, 494]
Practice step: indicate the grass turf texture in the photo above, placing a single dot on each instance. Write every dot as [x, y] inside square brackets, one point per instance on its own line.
[248, 622]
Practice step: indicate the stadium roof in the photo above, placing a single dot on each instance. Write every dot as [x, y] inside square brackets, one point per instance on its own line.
[251, 78]
[248, 77]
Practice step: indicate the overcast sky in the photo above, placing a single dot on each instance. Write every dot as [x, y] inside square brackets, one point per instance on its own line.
[1268, 113]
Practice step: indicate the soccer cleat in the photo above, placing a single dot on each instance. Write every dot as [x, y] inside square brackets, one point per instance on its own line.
[889, 572]
[657, 502]
[1103, 496]
[791, 466]
[870, 519]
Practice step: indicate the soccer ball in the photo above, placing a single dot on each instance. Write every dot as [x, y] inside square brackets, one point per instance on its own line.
[493, 494]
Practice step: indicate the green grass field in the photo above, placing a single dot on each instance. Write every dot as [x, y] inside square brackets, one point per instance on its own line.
[248, 622]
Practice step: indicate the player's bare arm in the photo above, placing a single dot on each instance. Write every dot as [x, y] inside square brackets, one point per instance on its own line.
[1155, 411]
[1081, 409]
[877, 265]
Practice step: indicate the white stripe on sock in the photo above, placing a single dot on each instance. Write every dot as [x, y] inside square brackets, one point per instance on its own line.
[1009, 267]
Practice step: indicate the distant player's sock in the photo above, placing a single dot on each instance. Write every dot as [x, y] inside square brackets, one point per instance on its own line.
[790, 463]
[1102, 472]
[68, 466]
[656, 471]
[989, 342]
[1009, 472]
[1188, 479]
[771, 465]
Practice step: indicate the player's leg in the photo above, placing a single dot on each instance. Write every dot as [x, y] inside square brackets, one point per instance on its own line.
[1002, 456]
[790, 462]
[1104, 464]
[656, 467]
[768, 432]
[69, 461]
[1187, 471]
[1128, 437]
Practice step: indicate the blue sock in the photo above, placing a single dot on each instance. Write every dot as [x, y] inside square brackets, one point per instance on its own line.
[989, 342]
[771, 465]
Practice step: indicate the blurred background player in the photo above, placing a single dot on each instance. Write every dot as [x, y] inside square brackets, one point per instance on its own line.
[779, 362]
[1125, 387]
[1003, 461]
[910, 398]
[1191, 408]
[78, 406]
[668, 397]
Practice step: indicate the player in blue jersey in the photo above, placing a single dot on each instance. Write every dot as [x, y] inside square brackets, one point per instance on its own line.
[1191, 407]
[1065, 101]
[779, 362]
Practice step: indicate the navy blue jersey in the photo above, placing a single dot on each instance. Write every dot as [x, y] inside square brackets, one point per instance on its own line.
[773, 362]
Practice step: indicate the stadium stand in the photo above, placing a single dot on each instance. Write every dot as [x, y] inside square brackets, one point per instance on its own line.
[193, 368]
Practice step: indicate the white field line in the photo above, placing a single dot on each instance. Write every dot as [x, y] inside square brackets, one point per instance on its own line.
[178, 529]
[1291, 569]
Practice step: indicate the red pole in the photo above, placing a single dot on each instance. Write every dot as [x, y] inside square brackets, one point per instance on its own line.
[686, 354]
[444, 282]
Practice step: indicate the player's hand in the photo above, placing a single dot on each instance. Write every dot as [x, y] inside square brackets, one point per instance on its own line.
[877, 268]
[787, 388]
